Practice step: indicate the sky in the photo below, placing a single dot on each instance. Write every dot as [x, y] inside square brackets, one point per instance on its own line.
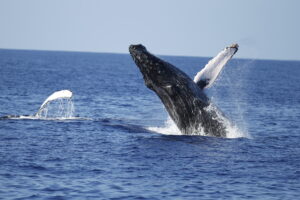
[264, 29]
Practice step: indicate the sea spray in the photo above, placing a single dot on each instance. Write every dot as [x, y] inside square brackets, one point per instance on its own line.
[169, 128]
[232, 130]
[237, 96]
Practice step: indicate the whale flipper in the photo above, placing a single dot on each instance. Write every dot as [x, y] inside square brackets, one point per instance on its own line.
[207, 76]
[62, 94]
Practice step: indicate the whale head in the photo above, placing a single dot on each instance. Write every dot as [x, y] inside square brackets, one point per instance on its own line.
[159, 74]
[154, 70]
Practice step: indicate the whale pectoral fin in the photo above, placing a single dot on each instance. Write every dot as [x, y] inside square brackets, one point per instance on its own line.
[207, 76]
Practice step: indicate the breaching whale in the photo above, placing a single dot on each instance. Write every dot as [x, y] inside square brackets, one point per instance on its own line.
[184, 98]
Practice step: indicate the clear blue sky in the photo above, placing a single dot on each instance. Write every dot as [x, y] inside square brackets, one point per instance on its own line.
[263, 28]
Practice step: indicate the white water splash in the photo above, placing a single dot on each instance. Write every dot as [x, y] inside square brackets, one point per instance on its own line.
[169, 128]
[59, 108]
[232, 130]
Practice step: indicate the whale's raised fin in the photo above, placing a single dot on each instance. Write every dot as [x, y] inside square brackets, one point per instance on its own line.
[207, 76]
[62, 94]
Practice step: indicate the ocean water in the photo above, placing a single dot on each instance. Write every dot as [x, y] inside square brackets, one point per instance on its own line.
[120, 145]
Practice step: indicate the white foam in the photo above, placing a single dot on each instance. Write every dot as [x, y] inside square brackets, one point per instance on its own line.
[232, 130]
[169, 128]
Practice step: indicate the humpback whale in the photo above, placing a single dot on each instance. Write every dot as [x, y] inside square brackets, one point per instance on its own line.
[184, 98]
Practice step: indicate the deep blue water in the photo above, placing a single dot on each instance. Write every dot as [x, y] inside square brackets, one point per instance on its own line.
[112, 155]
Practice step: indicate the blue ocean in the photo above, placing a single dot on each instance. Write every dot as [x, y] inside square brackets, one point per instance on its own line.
[121, 144]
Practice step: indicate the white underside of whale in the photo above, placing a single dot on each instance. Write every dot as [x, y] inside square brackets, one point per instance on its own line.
[213, 68]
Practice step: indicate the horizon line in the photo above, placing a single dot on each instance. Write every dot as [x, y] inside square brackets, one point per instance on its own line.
[123, 53]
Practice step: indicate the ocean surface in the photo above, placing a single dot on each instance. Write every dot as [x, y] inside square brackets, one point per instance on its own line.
[120, 143]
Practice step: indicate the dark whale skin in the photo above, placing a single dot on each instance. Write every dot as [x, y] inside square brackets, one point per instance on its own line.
[185, 102]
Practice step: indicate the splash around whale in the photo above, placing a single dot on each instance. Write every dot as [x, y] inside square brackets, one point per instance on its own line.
[184, 98]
